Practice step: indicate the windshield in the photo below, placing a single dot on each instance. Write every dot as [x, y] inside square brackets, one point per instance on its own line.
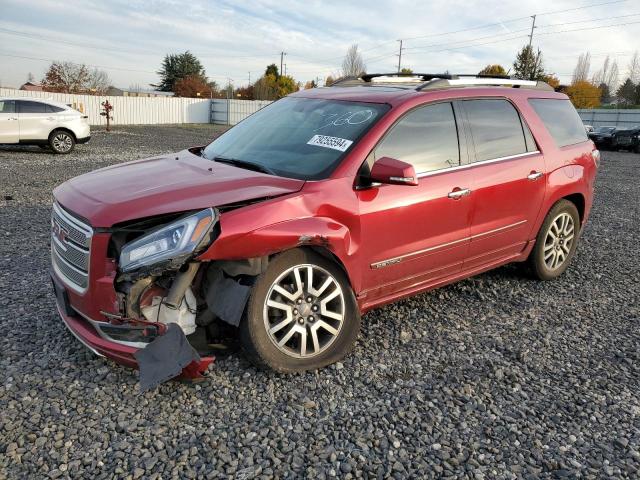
[605, 129]
[296, 137]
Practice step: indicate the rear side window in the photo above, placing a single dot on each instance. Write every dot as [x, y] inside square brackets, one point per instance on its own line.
[496, 129]
[427, 138]
[31, 107]
[54, 109]
[561, 119]
[7, 106]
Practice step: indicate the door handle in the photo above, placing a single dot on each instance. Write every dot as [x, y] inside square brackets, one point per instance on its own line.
[534, 175]
[50, 118]
[456, 194]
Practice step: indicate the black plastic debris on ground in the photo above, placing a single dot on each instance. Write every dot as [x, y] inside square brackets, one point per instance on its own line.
[164, 358]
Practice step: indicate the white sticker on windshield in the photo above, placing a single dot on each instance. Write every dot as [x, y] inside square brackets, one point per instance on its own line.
[325, 141]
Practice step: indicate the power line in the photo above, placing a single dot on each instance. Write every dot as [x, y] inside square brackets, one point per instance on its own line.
[105, 67]
[587, 21]
[35, 36]
[590, 28]
[420, 47]
[514, 20]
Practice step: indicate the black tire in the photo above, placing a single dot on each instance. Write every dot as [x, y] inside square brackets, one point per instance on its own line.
[538, 265]
[256, 339]
[62, 142]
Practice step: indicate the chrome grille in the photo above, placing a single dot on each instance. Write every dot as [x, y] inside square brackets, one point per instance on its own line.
[70, 248]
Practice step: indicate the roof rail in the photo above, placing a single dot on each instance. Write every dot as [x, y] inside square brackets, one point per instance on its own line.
[480, 80]
[368, 77]
[433, 81]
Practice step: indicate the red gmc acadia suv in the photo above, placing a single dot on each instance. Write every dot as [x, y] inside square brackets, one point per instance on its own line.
[317, 208]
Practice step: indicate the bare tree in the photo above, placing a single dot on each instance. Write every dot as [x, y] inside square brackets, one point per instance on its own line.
[353, 64]
[607, 75]
[581, 72]
[634, 67]
[69, 77]
[97, 81]
[612, 78]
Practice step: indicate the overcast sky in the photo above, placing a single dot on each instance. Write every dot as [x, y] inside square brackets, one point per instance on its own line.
[129, 38]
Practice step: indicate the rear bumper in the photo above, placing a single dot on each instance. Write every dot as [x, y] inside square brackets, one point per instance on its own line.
[83, 140]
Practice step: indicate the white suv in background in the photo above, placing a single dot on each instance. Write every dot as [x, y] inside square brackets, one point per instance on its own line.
[44, 123]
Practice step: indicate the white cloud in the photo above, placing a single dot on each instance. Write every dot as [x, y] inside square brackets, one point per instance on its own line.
[233, 38]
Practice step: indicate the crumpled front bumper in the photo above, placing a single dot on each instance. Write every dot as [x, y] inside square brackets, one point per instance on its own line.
[86, 333]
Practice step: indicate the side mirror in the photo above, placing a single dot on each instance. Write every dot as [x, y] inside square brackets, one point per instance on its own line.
[395, 172]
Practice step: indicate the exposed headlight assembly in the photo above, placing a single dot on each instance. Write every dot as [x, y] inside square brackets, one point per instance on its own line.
[174, 242]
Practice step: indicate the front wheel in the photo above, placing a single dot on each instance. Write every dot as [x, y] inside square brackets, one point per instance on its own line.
[301, 315]
[61, 141]
[556, 241]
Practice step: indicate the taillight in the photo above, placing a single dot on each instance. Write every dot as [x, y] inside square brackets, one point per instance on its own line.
[595, 154]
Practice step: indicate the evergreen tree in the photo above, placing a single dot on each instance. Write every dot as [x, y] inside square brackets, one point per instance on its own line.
[605, 96]
[528, 64]
[272, 70]
[626, 93]
[176, 67]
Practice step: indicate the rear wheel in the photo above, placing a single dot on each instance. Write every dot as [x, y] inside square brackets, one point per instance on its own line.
[301, 315]
[61, 141]
[556, 241]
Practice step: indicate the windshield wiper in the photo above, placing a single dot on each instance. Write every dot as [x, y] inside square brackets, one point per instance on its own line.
[256, 167]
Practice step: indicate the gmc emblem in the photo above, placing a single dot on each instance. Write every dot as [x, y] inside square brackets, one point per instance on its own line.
[59, 232]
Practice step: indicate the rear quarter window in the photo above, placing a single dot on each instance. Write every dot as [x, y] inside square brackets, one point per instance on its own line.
[54, 109]
[561, 119]
[496, 129]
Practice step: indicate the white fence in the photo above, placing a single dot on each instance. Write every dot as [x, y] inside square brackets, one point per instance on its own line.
[230, 112]
[129, 110]
[599, 117]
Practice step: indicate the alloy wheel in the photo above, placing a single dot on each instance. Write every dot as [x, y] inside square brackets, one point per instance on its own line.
[62, 142]
[558, 241]
[304, 311]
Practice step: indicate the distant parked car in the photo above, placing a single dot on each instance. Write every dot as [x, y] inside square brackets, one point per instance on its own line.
[628, 139]
[588, 129]
[43, 123]
[602, 136]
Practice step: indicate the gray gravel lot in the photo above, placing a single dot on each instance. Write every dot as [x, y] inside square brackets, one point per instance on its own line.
[497, 376]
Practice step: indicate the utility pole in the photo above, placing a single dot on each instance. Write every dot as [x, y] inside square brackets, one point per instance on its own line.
[533, 25]
[400, 56]
[249, 78]
[285, 69]
[282, 54]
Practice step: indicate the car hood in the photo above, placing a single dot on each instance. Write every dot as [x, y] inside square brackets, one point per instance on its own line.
[168, 184]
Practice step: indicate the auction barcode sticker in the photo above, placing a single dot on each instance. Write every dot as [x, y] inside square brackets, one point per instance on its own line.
[325, 141]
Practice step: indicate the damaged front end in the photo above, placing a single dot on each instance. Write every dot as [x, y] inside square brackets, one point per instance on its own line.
[174, 309]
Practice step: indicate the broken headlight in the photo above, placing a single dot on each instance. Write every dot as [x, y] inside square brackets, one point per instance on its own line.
[178, 239]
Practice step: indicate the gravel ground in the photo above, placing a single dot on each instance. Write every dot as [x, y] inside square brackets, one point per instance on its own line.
[497, 376]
